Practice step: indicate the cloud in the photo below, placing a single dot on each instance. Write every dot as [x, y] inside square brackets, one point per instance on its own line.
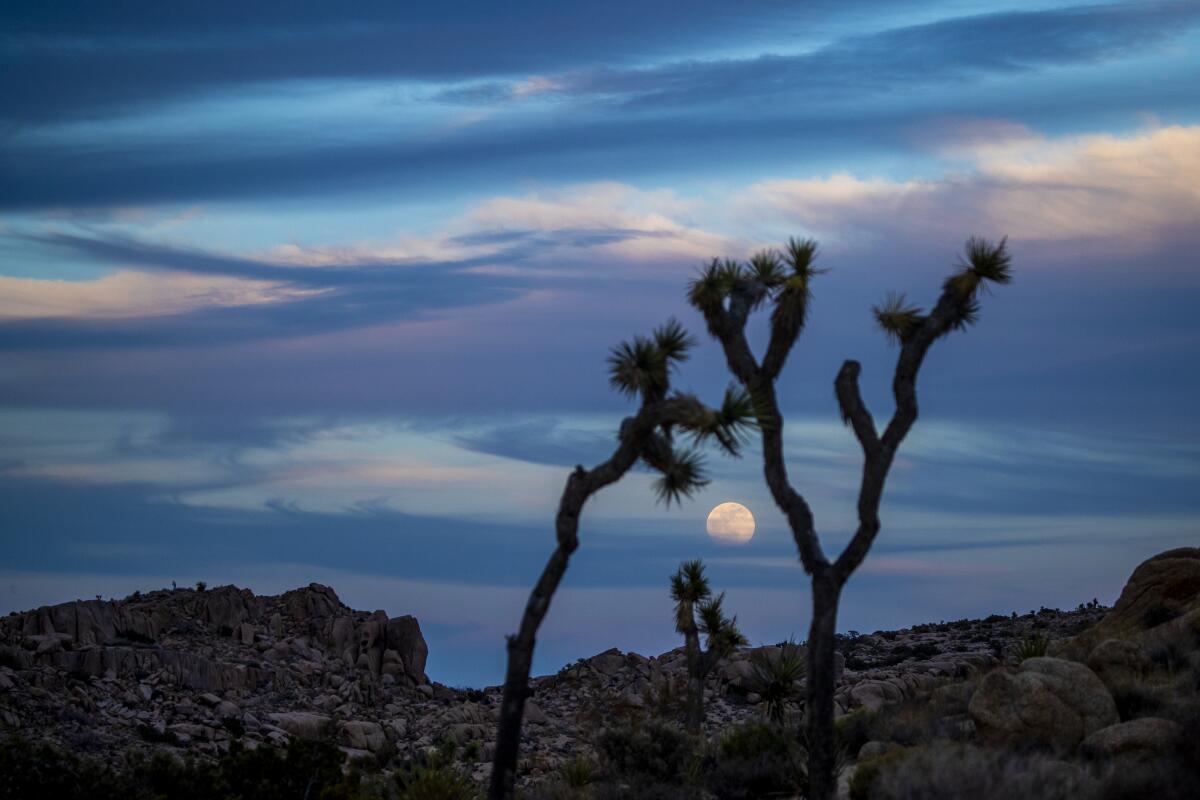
[127, 293]
[1127, 192]
[955, 49]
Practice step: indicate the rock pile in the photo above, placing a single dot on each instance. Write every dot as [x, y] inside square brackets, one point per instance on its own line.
[192, 671]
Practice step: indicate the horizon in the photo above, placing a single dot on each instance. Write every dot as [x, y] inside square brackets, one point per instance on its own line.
[294, 295]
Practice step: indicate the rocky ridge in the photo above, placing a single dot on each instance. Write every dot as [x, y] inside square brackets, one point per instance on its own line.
[192, 671]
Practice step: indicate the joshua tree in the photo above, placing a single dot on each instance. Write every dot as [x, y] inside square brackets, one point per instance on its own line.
[726, 293]
[639, 369]
[692, 595]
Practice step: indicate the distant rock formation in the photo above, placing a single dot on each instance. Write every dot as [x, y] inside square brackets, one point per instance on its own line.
[157, 631]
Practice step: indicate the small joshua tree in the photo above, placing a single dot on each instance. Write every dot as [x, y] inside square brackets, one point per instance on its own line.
[726, 293]
[692, 596]
[640, 369]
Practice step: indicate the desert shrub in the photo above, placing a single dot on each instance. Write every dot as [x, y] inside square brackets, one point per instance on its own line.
[862, 782]
[577, 773]
[314, 769]
[652, 752]
[433, 779]
[201, 586]
[854, 729]
[757, 759]
[957, 771]
[913, 721]
[775, 678]
[1032, 647]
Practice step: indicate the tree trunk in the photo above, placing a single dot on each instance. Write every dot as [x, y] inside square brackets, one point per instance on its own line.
[695, 686]
[819, 733]
[516, 678]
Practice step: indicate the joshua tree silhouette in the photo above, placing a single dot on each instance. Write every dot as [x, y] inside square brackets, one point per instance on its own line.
[641, 369]
[692, 596]
[726, 293]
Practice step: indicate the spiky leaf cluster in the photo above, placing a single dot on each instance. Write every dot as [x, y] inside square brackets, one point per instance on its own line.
[721, 630]
[982, 263]
[775, 678]
[642, 366]
[680, 477]
[897, 318]
[689, 587]
[728, 425]
[782, 279]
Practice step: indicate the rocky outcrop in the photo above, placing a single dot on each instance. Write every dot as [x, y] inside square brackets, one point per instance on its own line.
[1162, 589]
[144, 633]
[191, 672]
[1046, 701]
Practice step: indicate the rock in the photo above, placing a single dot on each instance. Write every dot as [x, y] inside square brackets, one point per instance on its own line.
[1116, 657]
[608, 662]
[1145, 738]
[534, 714]
[1162, 587]
[465, 732]
[302, 725]
[739, 673]
[874, 695]
[363, 735]
[1046, 700]
[425, 689]
[227, 710]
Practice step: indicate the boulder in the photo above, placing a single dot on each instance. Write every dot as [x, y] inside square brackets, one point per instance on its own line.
[1162, 587]
[1145, 738]
[1047, 701]
[609, 662]
[301, 724]
[1114, 657]
[362, 735]
[874, 695]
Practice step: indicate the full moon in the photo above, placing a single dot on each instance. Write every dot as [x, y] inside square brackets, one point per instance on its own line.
[731, 523]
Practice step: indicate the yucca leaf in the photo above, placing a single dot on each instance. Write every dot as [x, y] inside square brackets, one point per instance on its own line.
[897, 318]
[800, 255]
[710, 288]
[991, 262]
[673, 340]
[767, 269]
[682, 475]
[638, 367]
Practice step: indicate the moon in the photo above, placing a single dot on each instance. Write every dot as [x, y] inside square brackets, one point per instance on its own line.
[731, 523]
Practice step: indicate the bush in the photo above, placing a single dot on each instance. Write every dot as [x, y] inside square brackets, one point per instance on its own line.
[854, 729]
[1032, 647]
[757, 759]
[775, 678]
[652, 752]
[578, 773]
[314, 769]
[433, 779]
[956, 771]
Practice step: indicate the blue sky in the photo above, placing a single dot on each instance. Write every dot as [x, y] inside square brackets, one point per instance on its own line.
[290, 293]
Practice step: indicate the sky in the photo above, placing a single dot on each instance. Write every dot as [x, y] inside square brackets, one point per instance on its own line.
[297, 292]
